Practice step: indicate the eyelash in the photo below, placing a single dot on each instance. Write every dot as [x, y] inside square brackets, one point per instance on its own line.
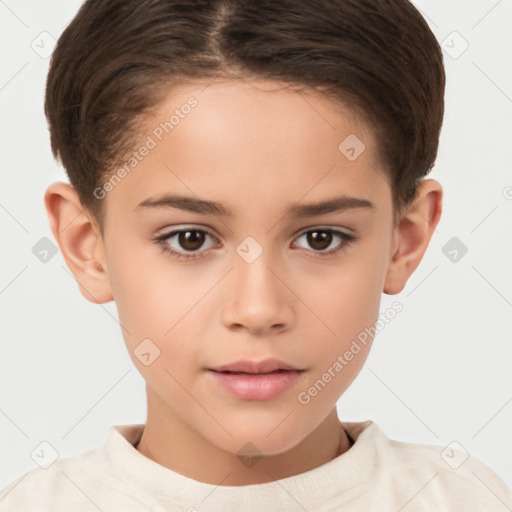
[162, 241]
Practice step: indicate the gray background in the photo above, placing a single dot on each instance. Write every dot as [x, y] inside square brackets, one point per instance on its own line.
[438, 373]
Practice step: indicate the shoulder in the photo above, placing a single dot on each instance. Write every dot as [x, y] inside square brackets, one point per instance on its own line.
[424, 475]
[453, 476]
[81, 482]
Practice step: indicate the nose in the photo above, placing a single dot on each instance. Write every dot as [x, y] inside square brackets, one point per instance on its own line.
[257, 299]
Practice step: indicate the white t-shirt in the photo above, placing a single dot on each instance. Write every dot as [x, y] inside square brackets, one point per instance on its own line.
[376, 473]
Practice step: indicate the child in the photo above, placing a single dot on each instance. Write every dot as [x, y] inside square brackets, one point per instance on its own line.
[292, 139]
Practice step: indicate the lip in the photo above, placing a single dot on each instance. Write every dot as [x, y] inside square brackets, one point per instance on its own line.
[256, 380]
[248, 366]
[256, 386]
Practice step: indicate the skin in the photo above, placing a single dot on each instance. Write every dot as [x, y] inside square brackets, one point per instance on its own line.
[260, 148]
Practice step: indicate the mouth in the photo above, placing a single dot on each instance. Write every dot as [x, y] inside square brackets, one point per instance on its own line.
[256, 386]
[266, 366]
[254, 373]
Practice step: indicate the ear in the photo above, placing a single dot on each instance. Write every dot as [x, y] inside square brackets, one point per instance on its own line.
[80, 241]
[412, 235]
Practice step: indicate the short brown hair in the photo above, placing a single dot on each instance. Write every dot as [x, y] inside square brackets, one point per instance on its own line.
[116, 59]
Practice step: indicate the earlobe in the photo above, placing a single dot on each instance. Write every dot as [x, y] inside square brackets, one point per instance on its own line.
[412, 235]
[79, 240]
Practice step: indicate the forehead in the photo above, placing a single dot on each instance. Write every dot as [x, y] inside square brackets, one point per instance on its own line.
[255, 142]
[258, 109]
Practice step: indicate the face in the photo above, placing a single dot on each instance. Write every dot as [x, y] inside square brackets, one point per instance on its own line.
[259, 276]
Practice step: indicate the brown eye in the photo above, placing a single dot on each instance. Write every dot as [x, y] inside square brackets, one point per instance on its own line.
[188, 243]
[324, 242]
[319, 239]
[191, 240]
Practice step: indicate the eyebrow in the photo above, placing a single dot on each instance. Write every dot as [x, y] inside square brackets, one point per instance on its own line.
[192, 204]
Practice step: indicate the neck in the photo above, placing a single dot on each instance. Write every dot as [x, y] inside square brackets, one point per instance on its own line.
[174, 444]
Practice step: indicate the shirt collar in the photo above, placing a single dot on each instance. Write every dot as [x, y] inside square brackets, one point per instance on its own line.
[163, 487]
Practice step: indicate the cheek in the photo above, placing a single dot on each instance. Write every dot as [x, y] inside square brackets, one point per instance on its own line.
[345, 296]
[346, 300]
[157, 299]
[142, 293]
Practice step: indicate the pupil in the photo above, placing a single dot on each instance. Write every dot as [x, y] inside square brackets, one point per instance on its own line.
[191, 240]
[324, 237]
